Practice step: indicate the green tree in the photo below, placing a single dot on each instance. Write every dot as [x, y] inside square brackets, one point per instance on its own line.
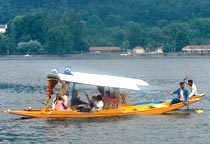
[180, 34]
[201, 31]
[4, 44]
[30, 46]
[134, 33]
[95, 22]
[152, 37]
[25, 28]
[114, 21]
[60, 40]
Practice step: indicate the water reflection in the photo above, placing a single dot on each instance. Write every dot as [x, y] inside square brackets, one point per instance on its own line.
[77, 121]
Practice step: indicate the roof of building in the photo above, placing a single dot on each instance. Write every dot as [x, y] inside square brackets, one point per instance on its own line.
[196, 47]
[104, 48]
[3, 26]
[138, 47]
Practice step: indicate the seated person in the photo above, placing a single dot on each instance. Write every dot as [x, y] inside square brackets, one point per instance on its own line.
[124, 98]
[87, 107]
[66, 99]
[60, 104]
[192, 87]
[77, 101]
[119, 99]
[95, 104]
[109, 102]
[182, 94]
[98, 103]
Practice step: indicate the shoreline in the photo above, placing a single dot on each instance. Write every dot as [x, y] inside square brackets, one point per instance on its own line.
[100, 56]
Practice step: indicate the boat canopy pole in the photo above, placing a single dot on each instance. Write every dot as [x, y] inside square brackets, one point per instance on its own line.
[72, 92]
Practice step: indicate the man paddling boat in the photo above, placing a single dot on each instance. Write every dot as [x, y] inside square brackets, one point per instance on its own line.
[182, 94]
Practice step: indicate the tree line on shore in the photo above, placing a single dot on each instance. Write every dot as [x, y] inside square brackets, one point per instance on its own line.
[60, 27]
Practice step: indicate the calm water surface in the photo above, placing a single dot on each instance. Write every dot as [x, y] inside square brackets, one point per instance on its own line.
[23, 82]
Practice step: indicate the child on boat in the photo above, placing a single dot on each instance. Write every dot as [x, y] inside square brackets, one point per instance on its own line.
[59, 104]
[95, 104]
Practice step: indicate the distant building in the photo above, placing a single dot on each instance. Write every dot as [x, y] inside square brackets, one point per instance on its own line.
[103, 49]
[159, 50]
[196, 49]
[138, 50]
[3, 28]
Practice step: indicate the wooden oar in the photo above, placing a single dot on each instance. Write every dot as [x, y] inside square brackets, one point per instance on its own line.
[197, 110]
[43, 103]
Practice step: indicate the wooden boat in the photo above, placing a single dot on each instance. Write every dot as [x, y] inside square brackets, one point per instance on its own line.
[100, 80]
[127, 109]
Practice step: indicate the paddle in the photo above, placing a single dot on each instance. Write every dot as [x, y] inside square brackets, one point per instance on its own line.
[43, 103]
[197, 110]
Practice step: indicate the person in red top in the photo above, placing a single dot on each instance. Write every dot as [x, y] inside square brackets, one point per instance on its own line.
[109, 102]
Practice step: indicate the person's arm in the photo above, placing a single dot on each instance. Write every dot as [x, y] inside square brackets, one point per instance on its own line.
[82, 102]
[89, 100]
[174, 92]
[185, 79]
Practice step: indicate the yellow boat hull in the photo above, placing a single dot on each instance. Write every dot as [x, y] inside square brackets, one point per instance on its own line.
[127, 109]
[67, 114]
[164, 107]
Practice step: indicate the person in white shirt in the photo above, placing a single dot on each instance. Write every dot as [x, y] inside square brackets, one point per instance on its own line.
[98, 104]
[192, 88]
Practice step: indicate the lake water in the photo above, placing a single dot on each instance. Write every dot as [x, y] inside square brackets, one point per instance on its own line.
[23, 82]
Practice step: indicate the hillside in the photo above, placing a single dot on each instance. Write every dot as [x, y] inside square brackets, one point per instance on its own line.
[72, 26]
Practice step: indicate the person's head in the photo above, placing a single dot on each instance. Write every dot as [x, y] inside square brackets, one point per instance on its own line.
[99, 97]
[190, 82]
[60, 98]
[182, 85]
[67, 70]
[76, 93]
[54, 71]
[94, 98]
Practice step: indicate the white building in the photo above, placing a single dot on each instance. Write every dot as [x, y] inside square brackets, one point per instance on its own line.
[138, 50]
[196, 49]
[159, 50]
[3, 28]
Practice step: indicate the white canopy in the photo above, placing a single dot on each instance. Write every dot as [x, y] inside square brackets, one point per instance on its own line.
[104, 80]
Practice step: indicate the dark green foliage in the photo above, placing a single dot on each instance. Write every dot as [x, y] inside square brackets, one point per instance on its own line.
[69, 26]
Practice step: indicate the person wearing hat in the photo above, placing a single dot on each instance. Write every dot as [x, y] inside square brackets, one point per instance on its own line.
[67, 70]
